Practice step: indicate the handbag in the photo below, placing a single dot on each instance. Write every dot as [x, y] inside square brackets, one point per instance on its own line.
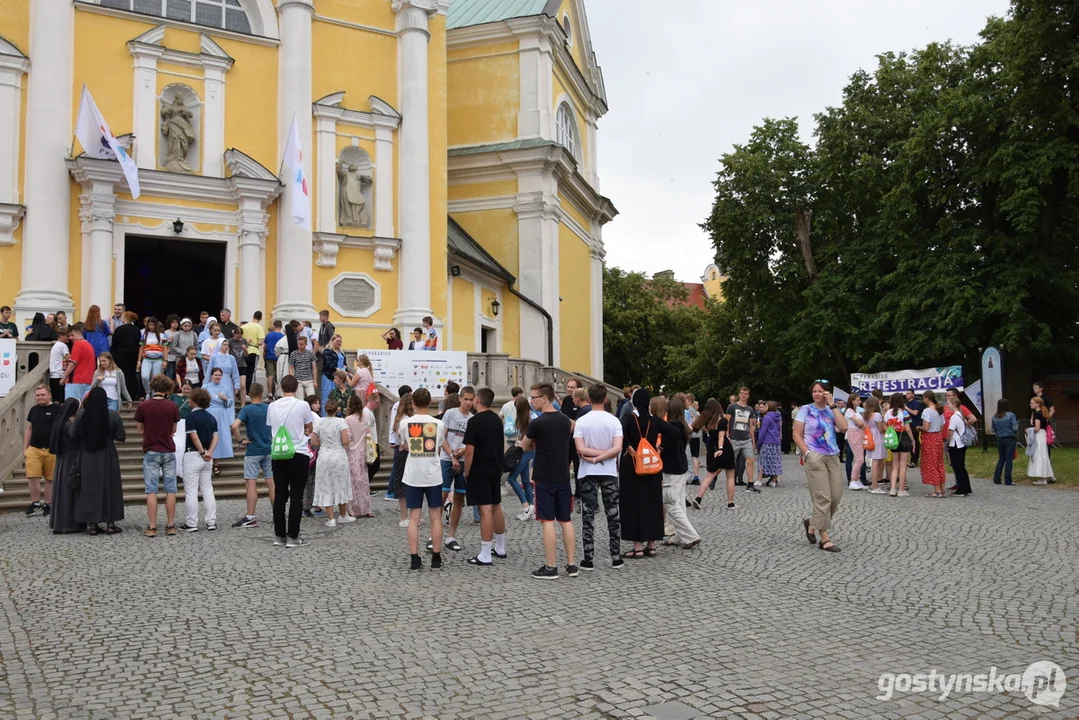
[646, 460]
[1050, 435]
[511, 459]
[371, 450]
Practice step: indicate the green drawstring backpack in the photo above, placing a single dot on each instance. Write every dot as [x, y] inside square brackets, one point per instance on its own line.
[282, 447]
[891, 438]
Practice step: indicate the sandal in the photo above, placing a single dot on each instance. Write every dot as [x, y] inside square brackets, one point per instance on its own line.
[937, 495]
[150, 532]
[475, 560]
[830, 547]
[93, 529]
[691, 545]
[650, 552]
[217, 469]
[454, 545]
[112, 530]
[633, 554]
[170, 529]
[810, 535]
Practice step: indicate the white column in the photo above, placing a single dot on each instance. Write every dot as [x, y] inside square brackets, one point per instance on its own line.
[596, 300]
[593, 156]
[326, 180]
[213, 118]
[536, 71]
[44, 286]
[12, 67]
[383, 180]
[252, 248]
[144, 110]
[98, 213]
[414, 294]
[294, 258]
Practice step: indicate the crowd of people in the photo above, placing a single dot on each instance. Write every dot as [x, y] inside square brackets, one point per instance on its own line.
[311, 435]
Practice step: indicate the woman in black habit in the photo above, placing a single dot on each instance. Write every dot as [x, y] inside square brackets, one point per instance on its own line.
[101, 493]
[62, 517]
[640, 497]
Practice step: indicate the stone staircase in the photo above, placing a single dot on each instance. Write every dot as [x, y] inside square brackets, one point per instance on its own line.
[229, 484]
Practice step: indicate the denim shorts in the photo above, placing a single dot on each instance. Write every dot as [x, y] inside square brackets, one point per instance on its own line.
[159, 468]
[254, 463]
[414, 497]
[456, 482]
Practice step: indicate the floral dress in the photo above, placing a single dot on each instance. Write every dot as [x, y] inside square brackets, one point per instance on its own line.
[333, 484]
[360, 505]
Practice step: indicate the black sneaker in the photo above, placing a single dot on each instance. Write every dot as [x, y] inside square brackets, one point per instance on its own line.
[246, 522]
[618, 563]
[46, 509]
[188, 528]
[417, 563]
[32, 508]
[545, 573]
[436, 561]
[696, 503]
[572, 570]
[739, 482]
[751, 488]
[308, 513]
[587, 565]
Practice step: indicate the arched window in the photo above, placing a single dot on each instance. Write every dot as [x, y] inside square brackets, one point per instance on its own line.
[566, 131]
[224, 14]
[568, 29]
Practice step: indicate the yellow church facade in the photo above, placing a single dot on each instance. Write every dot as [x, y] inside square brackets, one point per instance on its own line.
[449, 151]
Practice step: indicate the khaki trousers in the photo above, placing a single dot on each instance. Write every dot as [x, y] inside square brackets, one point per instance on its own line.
[824, 474]
[674, 501]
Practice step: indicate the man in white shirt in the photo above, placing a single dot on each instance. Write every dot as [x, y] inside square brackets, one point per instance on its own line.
[290, 476]
[597, 436]
[508, 408]
[58, 354]
[423, 436]
[453, 459]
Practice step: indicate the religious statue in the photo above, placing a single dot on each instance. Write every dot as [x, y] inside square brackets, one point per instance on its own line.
[351, 205]
[179, 133]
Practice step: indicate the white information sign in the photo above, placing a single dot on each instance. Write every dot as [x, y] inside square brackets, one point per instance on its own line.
[418, 369]
[9, 361]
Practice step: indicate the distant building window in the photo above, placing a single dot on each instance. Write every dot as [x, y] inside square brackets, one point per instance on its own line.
[568, 29]
[566, 131]
[224, 14]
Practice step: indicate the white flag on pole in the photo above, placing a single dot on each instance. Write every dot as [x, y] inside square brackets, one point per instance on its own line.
[299, 193]
[98, 141]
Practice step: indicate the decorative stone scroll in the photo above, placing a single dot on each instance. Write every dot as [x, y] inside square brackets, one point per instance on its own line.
[355, 295]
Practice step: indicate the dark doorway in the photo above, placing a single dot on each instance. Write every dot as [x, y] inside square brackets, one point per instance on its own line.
[485, 334]
[163, 276]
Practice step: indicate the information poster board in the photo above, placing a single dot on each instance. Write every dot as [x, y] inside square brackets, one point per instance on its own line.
[992, 385]
[9, 361]
[418, 369]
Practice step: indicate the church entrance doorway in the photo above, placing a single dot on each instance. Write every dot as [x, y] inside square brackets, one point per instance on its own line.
[163, 276]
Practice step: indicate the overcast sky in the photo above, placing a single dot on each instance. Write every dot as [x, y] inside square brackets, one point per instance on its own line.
[687, 80]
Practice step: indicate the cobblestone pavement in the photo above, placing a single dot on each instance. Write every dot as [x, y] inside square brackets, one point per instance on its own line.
[755, 623]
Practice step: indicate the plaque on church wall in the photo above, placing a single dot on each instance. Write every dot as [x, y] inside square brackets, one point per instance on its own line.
[355, 295]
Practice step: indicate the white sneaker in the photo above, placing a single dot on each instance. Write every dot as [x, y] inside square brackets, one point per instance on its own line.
[402, 523]
[757, 484]
[346, 519]
[856, 485]
[878, 491]
[1040, 482]
[331, 523]
[902, 493]
[526, 513]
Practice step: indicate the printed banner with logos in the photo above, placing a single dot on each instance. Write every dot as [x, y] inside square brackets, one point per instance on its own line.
[418, 369]
[939, 378]
[9, 361]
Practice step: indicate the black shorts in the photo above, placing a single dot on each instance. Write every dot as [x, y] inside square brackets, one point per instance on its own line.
[554, 502]
[414, 497]
[905, 445]
[484, 490]
[695, 447]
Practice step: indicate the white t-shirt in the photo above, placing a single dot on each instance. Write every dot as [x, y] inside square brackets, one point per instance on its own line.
[56, 359]
[394, 440]
[293, 414]
[955, 430]
[509, 410]
[456, 422]
[932, 421]
[598, 430]
[211, 347]
[424, 435]
[850, 414]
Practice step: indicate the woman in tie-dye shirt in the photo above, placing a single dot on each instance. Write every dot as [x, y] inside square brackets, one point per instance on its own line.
[814, 433]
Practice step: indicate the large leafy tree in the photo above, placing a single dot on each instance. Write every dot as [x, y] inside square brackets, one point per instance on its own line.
[936, 214]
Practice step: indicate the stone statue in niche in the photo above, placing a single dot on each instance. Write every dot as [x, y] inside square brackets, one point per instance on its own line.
[351, 205]
[179, 133]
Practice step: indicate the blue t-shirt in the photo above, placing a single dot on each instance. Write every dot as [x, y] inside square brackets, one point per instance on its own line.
[915, 404]
[258, 432]
[818, 427]
[202, 424]
[272, 338]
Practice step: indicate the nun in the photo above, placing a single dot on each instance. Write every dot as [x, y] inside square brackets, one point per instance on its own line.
[101, 493]
[65, 489]
[640, 497]
[223, 409]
